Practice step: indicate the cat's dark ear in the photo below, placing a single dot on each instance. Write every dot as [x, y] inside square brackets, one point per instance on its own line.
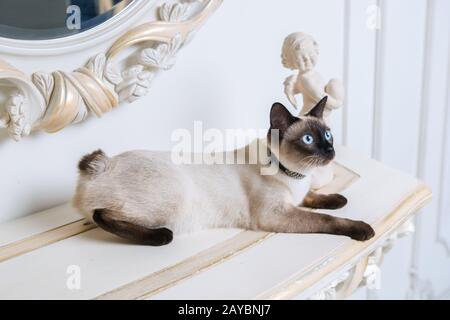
[318, 110]
[280, 117]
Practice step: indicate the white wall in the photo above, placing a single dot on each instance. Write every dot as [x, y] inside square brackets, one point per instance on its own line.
[397, 80]
[404, 69]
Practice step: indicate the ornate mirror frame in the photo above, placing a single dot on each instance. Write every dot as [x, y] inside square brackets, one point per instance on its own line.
[52, 101]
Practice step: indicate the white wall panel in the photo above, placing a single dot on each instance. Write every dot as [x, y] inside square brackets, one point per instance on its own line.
[397, 109]
[360, 70]
[430, 265]
[432, 242]
[403, 28]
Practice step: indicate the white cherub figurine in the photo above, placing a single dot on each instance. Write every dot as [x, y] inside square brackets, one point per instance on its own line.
[300, 52]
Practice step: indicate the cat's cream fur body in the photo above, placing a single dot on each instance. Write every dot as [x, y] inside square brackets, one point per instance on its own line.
[153, 191]
[145, 196]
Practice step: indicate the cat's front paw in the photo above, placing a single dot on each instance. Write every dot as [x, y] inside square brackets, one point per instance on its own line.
[336, 201]
[361, 231]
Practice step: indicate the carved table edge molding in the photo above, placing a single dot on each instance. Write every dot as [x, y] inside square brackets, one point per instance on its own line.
[52, 101]
[358, 265]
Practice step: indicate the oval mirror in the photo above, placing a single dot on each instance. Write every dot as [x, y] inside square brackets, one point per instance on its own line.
[51, 19]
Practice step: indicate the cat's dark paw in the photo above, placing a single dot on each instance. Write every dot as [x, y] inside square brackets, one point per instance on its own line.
[336, 201]
[166, 236]
[158, 237]
[361, 231]
[324, 201]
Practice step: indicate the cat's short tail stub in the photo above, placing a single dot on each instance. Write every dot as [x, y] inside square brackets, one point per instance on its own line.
[93, 163]
[106, 220]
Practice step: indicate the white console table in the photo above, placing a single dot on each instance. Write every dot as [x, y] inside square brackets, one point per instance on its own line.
[40, 254]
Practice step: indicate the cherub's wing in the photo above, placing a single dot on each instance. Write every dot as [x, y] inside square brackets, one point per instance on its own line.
[289, 89]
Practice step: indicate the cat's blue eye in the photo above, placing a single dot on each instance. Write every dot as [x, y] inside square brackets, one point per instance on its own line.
[328, 135]
[308, 139]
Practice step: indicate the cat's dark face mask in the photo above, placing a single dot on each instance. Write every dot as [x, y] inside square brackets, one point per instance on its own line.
[304, 142]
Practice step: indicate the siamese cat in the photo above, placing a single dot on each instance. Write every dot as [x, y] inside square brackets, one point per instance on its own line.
[143, 196]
